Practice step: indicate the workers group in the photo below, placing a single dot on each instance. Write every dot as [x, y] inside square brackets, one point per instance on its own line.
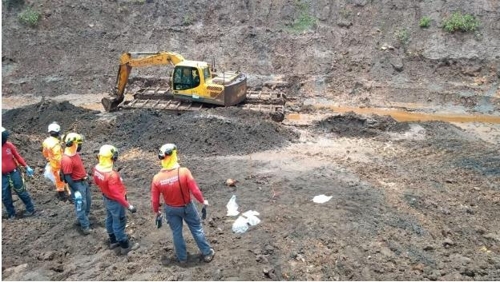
[175, 184]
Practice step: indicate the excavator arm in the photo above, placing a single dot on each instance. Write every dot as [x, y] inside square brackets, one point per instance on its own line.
[136, 59]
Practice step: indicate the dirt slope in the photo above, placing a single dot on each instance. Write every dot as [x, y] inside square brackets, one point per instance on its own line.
[322, 48]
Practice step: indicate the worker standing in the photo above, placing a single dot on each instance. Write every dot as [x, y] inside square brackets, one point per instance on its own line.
[74, 174]
[176, 184]
[12, 179]
[115, 199]
[52, 151]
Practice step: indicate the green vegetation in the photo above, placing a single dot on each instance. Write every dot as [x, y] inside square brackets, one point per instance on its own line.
[188, 20]
[460, 22]
[425, 22]
[345, 13]
[402, 36]
[305, 21]
[29, 17]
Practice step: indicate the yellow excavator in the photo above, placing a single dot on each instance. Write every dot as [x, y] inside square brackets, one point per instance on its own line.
[193, 85]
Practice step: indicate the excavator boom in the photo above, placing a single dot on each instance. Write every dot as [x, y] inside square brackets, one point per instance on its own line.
[136, 59]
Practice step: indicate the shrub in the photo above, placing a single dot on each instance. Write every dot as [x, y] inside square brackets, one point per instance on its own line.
[305, 21]
[425, 22]
[460, 22]
[188, 20]
[29, 17]
[402, 36]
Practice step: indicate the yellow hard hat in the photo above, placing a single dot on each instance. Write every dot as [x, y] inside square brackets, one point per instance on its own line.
[108, 151]
[72, 138]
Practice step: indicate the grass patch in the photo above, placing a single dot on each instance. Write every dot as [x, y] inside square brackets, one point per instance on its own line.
[425, 22]
[188, 20]
[460, 22]
[305, 21]
[403, 36]
[29, 17]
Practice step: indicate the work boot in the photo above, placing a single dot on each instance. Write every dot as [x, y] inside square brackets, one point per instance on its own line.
[86, 231]
[210, 256]
[32, 213]
[127, 246]
[112, 242]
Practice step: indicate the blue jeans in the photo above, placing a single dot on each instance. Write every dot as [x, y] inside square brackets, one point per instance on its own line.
[13, 180]
[83, 214]
[189, 214]
[115, 219]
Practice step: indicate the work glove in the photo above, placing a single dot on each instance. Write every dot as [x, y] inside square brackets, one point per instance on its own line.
[205, 203]
[204, 212]
[29, 171]
[159, 220]
[132, 209]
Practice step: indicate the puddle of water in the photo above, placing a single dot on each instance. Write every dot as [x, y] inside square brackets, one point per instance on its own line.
[401, 115]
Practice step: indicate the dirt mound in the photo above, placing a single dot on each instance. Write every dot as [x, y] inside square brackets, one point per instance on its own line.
[35, 118]
[354, 125]
[220, 131]
[216, 132]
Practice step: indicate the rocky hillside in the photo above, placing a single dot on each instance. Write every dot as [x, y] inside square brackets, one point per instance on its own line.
[328, 48]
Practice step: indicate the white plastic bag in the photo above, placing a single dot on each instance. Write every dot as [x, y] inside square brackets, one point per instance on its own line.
[240, 225]
[252, 218]
[232, 207]
[320, 199]
[48, 173]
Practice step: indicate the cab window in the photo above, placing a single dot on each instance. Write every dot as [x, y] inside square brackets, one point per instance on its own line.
[206, 73]
[186, 78]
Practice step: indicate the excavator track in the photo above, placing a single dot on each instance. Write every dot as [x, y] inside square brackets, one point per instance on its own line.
[162, 99]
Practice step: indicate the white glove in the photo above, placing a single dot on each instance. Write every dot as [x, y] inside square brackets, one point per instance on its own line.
[205, 203]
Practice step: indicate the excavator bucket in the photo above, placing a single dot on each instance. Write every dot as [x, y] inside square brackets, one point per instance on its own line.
[111, 104]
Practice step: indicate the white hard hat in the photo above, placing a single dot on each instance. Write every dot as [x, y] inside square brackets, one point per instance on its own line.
[3, 129]
[54, 127]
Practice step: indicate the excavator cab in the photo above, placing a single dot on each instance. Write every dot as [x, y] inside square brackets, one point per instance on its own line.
[185, 77]
[194, 81]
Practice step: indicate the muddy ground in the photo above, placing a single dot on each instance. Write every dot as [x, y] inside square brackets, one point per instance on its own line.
[411, 201]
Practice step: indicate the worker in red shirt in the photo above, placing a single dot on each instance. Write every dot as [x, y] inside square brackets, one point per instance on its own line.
[12, 179]
[176, 184]
[115, 199]
[73, 173]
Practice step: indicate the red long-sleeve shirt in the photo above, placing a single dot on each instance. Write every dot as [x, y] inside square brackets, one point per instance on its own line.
[166, 183]
[111, 186]
[9, 158]
[73, 166]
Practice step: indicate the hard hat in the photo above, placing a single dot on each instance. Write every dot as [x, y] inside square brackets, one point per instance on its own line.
[5, 134]
[72, 138]
[54, 127]
[109, 151]
[166, 150]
